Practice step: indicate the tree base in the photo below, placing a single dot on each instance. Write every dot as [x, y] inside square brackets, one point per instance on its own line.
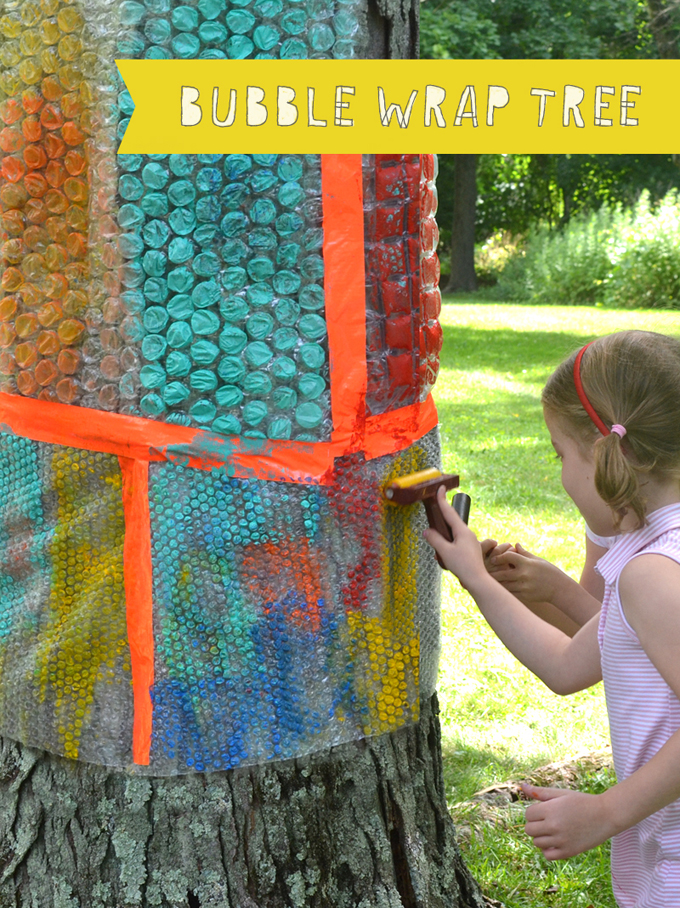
[364, 826]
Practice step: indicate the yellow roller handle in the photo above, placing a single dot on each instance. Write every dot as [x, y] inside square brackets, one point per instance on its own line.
[413, 479]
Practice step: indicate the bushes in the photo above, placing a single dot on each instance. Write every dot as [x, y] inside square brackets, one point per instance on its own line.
[612, 256]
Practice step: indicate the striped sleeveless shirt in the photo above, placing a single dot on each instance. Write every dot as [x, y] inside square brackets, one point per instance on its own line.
[643, 714]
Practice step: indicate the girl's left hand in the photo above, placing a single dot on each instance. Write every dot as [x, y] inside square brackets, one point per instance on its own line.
[564, 823]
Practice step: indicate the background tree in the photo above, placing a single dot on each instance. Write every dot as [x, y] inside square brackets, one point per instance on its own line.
[514, 191]
[463, 275]
[664, 24]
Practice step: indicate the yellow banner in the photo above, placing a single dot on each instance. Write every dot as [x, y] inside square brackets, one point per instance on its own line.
[402, 106]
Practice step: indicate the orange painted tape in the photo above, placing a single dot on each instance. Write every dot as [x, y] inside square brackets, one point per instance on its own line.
[139, 600]
[290, 461]
[393, 431]
[345, 293]
[146, 440]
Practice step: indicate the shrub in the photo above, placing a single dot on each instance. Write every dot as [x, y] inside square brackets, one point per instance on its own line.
[492, 256]
[646, 257]
[614, 256]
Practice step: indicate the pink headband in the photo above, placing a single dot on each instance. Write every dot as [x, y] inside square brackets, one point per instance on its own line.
[587, 406]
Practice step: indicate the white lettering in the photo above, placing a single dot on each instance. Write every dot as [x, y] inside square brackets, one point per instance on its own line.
[461, 113]
[627, 105]
[286, 111]
[542, 93]
[311, 119]
[256, 112]
[497, 99]
[434, 96]
[386, 114]
[231, 113]
[191, 111]
[341, 104]
[573, 95]
[601, 105]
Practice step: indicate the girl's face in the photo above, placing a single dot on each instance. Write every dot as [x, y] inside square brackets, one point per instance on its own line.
[578, 477]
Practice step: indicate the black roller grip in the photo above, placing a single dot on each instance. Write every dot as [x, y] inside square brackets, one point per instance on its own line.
[461, 505]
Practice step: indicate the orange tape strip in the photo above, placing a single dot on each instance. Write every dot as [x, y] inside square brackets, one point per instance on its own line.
[139, 600]
[136, 438]
[149, 440]
[345, 293]
[94, 430]
[393, 431]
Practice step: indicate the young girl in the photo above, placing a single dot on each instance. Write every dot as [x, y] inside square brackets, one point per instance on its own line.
[612, 413]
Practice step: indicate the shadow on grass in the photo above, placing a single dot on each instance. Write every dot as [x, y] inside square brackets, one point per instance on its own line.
[468, 769]
[501, 349]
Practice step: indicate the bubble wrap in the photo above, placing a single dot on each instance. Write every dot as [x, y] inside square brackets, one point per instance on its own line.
[287, 617]
[190, 291]
[403, 300]
[64, 655]
[222, 280]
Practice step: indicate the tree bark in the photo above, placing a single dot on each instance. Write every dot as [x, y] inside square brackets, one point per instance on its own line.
[389, 30]
[365, 826]
[663, 28]
[463, 277]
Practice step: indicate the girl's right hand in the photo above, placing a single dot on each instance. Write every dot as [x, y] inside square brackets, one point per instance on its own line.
[490, 548]
[528, 577]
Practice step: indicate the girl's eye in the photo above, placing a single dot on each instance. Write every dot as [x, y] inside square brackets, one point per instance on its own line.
[558, 457]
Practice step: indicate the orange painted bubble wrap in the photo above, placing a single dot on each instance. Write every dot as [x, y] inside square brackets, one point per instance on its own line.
[210, 366]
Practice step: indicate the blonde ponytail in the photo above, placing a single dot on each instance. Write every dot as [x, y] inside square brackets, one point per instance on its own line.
[616, 481]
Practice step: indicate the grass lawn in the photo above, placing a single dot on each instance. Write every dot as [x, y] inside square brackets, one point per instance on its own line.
[498, 722]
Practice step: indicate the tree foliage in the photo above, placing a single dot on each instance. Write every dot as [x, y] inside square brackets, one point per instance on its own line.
[520, 190]
[535, 29]
[515, 192]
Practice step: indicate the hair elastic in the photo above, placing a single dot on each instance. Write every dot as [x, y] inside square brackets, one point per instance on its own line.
[618, 430]
[587, 406]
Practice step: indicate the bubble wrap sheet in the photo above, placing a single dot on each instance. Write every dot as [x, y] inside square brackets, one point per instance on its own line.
[287, 617]
[191, 293]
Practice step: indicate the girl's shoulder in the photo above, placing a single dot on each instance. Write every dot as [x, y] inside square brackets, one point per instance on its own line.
[661, 535]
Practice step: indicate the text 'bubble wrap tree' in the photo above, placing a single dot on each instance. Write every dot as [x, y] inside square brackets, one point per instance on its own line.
[211, 365]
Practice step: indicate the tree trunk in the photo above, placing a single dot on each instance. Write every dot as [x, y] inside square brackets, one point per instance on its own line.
[463, 277]
[390, 30]
[365, 825]
[664, 29]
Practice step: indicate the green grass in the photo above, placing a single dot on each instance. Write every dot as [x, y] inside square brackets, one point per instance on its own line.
[498, 721]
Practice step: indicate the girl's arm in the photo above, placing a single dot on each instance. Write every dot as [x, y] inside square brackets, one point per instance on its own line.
[568, 822]
[565, 665]
[547, 590]
[590, 580]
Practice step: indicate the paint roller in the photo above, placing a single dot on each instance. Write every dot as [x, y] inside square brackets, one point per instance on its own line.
[423, 486]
